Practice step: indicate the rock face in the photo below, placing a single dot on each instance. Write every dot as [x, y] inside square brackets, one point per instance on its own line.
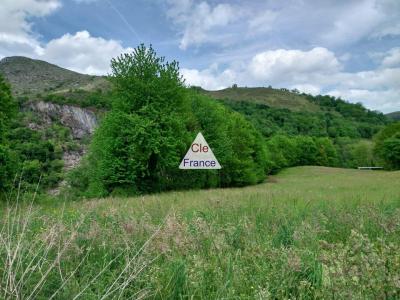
[82, 122]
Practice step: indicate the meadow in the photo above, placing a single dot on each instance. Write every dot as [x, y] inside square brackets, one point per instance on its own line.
[306, 233]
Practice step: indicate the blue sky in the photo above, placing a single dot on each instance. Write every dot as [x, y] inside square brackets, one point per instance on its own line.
[349, 48]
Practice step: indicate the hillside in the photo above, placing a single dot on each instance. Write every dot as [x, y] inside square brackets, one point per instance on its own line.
[31, 77]
[278, 98]
[394, 115]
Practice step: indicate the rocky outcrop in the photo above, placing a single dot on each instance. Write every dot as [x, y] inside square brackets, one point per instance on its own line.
[82, 122]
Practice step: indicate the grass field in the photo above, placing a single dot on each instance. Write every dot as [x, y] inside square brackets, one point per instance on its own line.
[309, 232]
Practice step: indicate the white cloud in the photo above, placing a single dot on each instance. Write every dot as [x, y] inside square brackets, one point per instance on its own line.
[314, 71]
[16, 36]
[209, 78]
[262, 22]
[288, 65]
[349, 28]
[276, 67]
[392, 59]
[83, 53]
[199, 19]
[85, 1]
[332, 24]
[307, 88]
[390, 22]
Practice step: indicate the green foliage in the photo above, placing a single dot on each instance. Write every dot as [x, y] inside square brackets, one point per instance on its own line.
[391, 151]
[39, 154]
[7, 108]
[334, 136]
[7, 114]
[271, 120]
[30, 155]
[235, 142]
[387, 143]
[98, 98]
[154, 118]
[355, 153]
[8, 163]
[349, 110]
[284, 151]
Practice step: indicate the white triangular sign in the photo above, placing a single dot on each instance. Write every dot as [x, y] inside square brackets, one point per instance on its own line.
[199, 156]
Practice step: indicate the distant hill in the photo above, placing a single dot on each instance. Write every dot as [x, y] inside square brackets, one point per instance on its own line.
[394, 115]
[30, 77]
[278, 98]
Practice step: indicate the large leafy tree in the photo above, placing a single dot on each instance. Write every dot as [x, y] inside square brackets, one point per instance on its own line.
[143, 138]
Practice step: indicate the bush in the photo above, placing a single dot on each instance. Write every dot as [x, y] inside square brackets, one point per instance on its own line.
[32, 170]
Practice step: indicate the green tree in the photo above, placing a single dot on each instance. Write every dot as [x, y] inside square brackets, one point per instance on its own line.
[144, 135]
[326, 154]
[7, 108]
[7, 114]
[391, 152]
[386, 145]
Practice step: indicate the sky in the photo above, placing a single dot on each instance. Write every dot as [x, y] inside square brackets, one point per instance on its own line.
[348, 49]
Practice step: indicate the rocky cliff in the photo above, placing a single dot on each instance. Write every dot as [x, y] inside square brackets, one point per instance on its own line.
[82, 122]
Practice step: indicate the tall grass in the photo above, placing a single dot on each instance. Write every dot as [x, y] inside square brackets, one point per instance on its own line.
[309, 233]
[43, 257]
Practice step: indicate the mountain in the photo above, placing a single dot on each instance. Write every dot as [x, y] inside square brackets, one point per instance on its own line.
[394, 115]
[31, 77]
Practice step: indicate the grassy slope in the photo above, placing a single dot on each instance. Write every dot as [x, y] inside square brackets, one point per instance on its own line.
[271, 97]
[30, 77]
[312, 231]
